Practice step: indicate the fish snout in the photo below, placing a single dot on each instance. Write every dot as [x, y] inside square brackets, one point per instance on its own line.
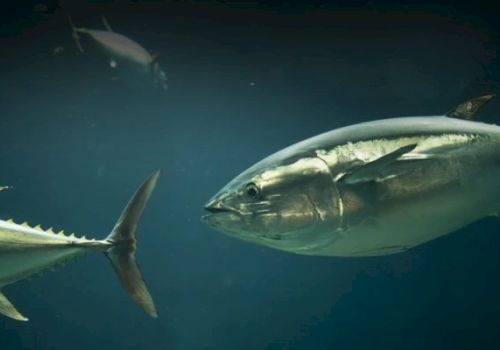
[220, 213]
[215, 206]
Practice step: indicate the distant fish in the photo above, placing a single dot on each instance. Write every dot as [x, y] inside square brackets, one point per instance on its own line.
[26, 250]
[123, 52]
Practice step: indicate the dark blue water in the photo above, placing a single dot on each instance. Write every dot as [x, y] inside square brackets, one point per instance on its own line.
[244, 81]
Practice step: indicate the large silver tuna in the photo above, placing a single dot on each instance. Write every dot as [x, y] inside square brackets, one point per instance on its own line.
[26, 250]
[368, 189]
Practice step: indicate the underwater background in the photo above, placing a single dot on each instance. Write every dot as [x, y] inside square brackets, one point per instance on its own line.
[245, 79]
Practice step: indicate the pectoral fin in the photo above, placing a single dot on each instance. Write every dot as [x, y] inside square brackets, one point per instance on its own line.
[7, 309]
[468, 109]
[372, 171]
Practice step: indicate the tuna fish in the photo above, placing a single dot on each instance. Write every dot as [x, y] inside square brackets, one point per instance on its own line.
[368, 189]
[123, 51]
[26, 250]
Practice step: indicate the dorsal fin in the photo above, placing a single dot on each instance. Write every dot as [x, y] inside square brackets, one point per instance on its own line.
[106, 24]
[468, 109]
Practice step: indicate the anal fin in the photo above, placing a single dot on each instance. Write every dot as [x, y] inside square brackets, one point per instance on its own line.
[9, 310]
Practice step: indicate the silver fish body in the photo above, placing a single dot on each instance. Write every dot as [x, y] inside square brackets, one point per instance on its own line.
[368, 189]
[132, 60]
[26, 250]
[119, 46]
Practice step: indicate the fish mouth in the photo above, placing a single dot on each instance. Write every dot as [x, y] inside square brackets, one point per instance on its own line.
[217, 214]
[215, 210]
[216, 206]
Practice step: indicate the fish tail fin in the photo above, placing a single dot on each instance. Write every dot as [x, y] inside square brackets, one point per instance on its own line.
[122, 253]
[74, 34]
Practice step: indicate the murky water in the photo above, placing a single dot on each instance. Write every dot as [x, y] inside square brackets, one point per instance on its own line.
[244, 81]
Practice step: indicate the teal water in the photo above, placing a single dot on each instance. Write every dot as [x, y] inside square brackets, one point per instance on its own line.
[244, 81]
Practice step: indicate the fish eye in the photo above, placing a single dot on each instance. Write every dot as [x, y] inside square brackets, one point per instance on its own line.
[252, 190]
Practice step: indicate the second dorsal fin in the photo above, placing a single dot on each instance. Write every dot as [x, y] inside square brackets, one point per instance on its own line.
[469, 108]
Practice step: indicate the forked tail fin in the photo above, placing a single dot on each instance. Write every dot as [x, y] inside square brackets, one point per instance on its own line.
[74, 34]
[122, 253]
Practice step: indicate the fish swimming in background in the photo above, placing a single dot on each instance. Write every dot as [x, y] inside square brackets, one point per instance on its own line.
[26, 250]
[125, 54]
[3, 188]
[368, 189]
